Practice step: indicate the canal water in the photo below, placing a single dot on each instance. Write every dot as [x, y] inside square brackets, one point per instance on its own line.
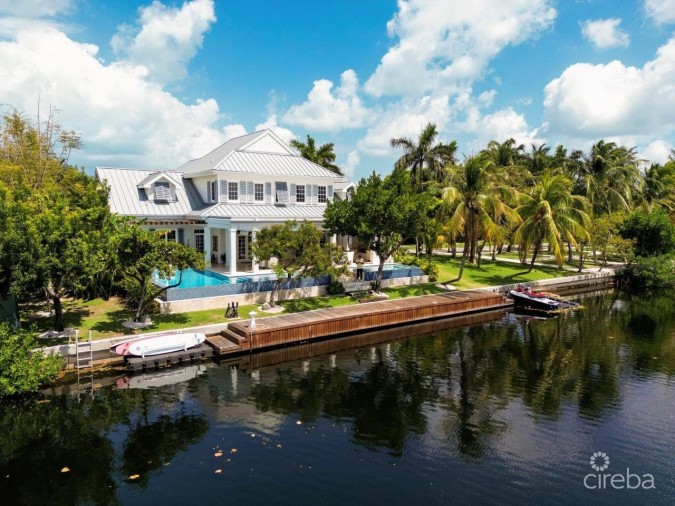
[493, 409]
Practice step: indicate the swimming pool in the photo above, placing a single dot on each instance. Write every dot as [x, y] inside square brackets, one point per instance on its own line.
[193, 278]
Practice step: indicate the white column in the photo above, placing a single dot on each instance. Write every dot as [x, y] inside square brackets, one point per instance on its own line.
[254, 260]
[333, 239]
[207, 246]
[232, 254]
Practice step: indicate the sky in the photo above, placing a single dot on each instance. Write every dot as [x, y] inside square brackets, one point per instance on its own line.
[152, 84]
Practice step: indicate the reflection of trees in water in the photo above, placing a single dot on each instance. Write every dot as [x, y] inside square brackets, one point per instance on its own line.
[150, 445]
[476, 371]
[40, 437]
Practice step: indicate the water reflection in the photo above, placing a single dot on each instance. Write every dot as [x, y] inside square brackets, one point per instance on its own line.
[462, 392]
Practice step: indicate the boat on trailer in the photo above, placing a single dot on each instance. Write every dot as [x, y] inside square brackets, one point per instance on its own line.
[527, 299]
[158, 344]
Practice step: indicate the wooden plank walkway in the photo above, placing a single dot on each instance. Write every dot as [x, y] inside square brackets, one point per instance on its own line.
[296, 328]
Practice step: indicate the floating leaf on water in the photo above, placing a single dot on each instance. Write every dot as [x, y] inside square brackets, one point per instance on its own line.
[218, 454]
[233, 450]
[299, 422]
[218, 471]
[134, 476]
[65, 470]
[278, 445]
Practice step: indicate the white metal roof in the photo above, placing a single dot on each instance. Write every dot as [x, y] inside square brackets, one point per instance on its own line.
[245, 154]
[255, 212]
[127, 199]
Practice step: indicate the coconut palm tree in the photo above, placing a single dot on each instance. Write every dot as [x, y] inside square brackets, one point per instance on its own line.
[323, 155]
[551, 213]
[659, 186]
[481, 204]
[425, 160]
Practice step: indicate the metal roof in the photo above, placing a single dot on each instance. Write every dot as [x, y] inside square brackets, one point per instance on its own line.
[273, 164]
[241, 155]
[256, 212]
[127, 199]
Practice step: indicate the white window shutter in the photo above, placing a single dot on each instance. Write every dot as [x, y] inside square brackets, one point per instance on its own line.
[329, 193]
[223, 191]
[315, 193]
[268, 193]
[251, 192]
[242, 191]
[293, 193]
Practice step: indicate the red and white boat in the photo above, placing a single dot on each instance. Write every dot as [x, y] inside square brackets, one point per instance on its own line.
[159, 344]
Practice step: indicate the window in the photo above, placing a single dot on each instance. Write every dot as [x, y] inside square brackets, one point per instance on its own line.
[232, 191]
[300, 193]
[241, 249]
[169, 235]
[259, 192]
[162, 191]
[322, 195]
[199, 240]
[212, 189]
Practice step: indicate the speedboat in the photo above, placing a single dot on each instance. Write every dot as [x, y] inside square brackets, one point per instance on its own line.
[526, 298]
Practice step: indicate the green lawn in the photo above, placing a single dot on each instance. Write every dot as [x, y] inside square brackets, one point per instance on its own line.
[105, 318]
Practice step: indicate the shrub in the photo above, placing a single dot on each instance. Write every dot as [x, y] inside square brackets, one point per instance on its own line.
[431, 270]
[653, 233]
[335, 288]
[21, 368]
[648, 273]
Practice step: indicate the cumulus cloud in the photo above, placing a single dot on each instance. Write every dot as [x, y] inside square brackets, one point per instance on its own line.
[328, 110]
[593, 101]
[166, 38]
[656, 151]
[35, 8]
[352, 162]
[232, 131]
[661, 11]
[127, 119]
[405, 118]
[445, 45]
[500, 126]
[605, 33]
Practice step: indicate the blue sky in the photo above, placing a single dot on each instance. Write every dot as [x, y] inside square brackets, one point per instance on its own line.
[153, 84]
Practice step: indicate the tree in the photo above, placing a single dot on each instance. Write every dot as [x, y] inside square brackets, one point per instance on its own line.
[298, 252]
[653, 233]
[142, 252]
[551, 213]
[659, 186]
[323, 155]
[481, 205]
[21, 368]
[382, 213]
[425, 160]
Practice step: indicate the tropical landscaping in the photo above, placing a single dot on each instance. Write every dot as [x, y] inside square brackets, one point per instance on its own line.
[488, 219]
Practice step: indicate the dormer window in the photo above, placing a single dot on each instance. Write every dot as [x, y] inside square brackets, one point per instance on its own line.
[163, 191]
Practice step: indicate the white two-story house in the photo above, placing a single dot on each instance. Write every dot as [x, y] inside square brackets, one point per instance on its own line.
[217, 203]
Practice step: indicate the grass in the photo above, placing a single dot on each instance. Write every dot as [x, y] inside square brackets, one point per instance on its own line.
[105, 318]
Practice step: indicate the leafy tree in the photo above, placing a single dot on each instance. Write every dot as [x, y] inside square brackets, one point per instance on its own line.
[653, 233]
[425, 160]
[141, 253]
[551, 213]
[323, 155]
[21, 368]
[382, 213]
[659, 186]
[298, 252]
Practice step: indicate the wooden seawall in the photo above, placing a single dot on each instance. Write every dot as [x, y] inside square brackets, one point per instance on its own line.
[279, 331]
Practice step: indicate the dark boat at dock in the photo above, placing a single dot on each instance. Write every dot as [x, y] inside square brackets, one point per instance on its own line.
[526, 298]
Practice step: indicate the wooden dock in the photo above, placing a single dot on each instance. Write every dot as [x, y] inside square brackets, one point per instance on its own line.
[279, 331]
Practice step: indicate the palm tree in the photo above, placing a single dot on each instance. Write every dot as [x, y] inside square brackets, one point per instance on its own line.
[659, 186]
[425, 160]
[323, 155]
[480, 203]
[551, 213]
[610, 176]
[538, 160]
